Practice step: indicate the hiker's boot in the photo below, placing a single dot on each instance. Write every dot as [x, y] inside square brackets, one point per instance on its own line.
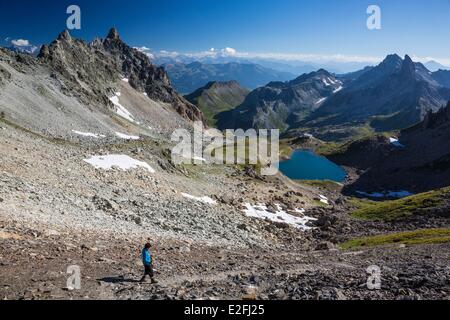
[154, 281]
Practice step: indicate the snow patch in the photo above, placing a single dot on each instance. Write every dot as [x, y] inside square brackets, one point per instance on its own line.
[395, 142]
[323, 199]
[121, 110]
[126, 137]
[321, 100]
[325, 81]
[338, 89]
[123, 162]
[125, 80]
[261, 212]
[205, 199]
[88, 134]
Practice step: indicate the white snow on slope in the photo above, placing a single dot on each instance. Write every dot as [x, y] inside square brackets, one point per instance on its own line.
[120, 161]
[338, 89]
[125, 80]
[205, 199]
[88, 134]
[261, 212]
[325, 81]
[126, 137]
[321, 100]
[323, 199]
[396, 143]
[121, 110]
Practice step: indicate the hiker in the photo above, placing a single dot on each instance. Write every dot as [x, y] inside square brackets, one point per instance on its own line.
[148, 263]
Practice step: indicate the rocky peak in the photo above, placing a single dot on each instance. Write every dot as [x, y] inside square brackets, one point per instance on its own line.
[408, 69]
[323, 72]
[312, 76]
[222, 84]
[64, 36]
[392, 60]
[113, 34]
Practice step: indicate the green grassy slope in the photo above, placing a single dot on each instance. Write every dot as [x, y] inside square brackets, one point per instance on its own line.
[425, 236]
[402, 208]
[217, 97]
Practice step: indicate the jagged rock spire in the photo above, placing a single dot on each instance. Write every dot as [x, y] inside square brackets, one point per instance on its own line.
[408, 68]
[113, 34]
[408, 60]
[65, 35]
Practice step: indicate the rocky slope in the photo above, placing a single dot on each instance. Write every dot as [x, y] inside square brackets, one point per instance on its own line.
[57, 211]
[103, 88]
[89, 69]
[418, 162]
[217, 97]
[442, 77]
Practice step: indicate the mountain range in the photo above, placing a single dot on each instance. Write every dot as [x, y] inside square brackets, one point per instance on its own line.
[290, 64]
[24, 48]
[187, 78]
[281, 104]
[393, 95]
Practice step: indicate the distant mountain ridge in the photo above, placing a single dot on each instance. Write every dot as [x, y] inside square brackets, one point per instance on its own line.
[395, 94]
[435, 66]
[399, 91]
[187, 78]
[29, 49]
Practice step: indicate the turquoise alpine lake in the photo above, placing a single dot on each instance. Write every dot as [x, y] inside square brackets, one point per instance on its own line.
[306, 165]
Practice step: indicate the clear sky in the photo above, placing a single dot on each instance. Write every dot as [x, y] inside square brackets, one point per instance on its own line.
[327, 27]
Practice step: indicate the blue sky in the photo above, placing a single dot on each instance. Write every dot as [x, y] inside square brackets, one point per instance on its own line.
[316, 27]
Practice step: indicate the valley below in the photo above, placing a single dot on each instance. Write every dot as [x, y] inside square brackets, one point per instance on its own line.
[58, 211]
